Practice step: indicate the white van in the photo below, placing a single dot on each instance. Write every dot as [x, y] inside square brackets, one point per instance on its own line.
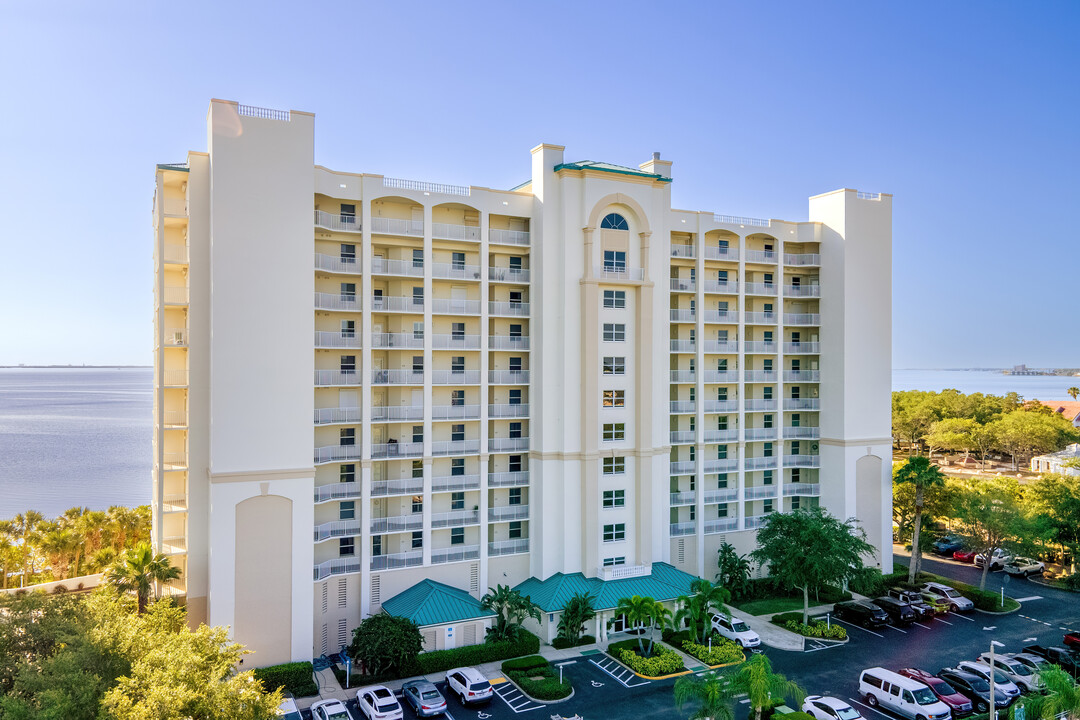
[904, 696]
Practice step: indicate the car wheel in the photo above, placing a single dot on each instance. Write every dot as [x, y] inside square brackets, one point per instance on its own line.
[920, 717]
[871, 700]
[953, 608]
[982, 707]
[743, 646]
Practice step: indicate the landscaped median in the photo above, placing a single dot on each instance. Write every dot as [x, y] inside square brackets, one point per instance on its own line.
[664, 661]
[719, 653]
[535, 677]
[815, 629]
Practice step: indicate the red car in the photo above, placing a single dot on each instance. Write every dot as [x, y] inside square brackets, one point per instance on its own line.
[965, 555]
[945, 692]
[1072, 639]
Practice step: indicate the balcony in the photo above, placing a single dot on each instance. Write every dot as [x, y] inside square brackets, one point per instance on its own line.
[511, 410]
[508, 377]
[508, 444]
[803, 348]
[679, 437]
[455, 271]
[723, 495]
[335, 416]
[760, 376]
[802, 404]
[174, 545]
[682, 376]
[720, 465]
[513, 309]
[337, 221]
[455, 447]
[758, 492]
[508, 237]
[337, 566]
[395, 450]
[722, 287]
[455, 518]
[721, 525]
[720, 253]
[759, 404]
[683, 528]
[455, 341]
[761, 289]
[337, 453]
[683, 467]
[802, 259]
[761, 463]
[175, 419]
[175, 378]
[408, 268]
[802, 319]
[394, 561]
[413, 304]
[760, 433]
[721, 376]
[760, 346]
[802, 433]
[683, 406]
[721, 346]
[402, 376]
[682, 251]
[337, 491]
[683, 346]
[683, 315]
[517, 478]
[808, 291]
[508, 342]
[175, 503]
[397, 226]
[175, 254]
[761, 256]
[802, 376]
[324, 339]
[612, 272]
[176, 337]
[801, 489]
[721, 436]
[447, 231]
[455, 412]
[802, 461]
[337, 529]
[508, 275]
[455, 377]
[508, 547]
[455, 483]
[458, 553]
[683, 285]
[752, 522]
[761, 318]
[506, 513]
[395, 413]
[337, 301]
[337, 264]
[404, 340]
[397, 523]
[449, 306]
[618, 572]
[397, 486]
[726, 317]
[330, 378]
[721, 406]
[175, 295]
[683, 498]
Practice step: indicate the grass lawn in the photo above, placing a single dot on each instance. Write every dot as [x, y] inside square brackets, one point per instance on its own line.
[768, 606]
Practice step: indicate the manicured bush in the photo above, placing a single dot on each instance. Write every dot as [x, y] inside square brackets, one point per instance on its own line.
[816, 629]
[797, 715]
[443, 660]
[664, 661]
[675, 639]
[562, 643]
[524, 663]
[297, 678]
[537, 678]
[722, 652]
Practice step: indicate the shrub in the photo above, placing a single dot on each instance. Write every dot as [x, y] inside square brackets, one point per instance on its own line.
[524, 663]
[664, 661]
[296, 678]
[443, 660]
[562, 643]
[723, 651]
[536, 677]
[871, 583]
[797, 715]
[675, 638]
[386, 644]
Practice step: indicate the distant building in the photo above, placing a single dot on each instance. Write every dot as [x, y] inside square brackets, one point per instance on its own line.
[1070, 410]
[1055, 462]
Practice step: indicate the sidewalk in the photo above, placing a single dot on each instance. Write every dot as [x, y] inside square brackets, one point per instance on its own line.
[777, 637]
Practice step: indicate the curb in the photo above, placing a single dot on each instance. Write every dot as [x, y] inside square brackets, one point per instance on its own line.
[573, 691]
[1043, 583]
[1003, 612]
[646, 677]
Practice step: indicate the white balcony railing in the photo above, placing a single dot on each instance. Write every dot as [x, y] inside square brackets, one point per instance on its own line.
[683, 498]
[329, 339]
[753, 288]
[802, 291]
[684, 346]
[175, 502]
[683, 284]
[337, 221]
[802, 433]
[683, 528]
[324, 378]
[175, 418]
[757, 492]
[455, 447]
[176, 337]
[175, 378]
[335, 453]
[759, 404]
[394, 561]
[721, 436]
[517, 478]
[612, 272]
[405, 340]
[720, 465]
[510, 275]
[761, 376]
[508, 377]
[761, 318]
[337, 529]
[337, 264]
[722, 346]
[174, 545]
[175, 295]
[397, 486]
[719, 253]
[447, 231]
[508, 444]
[760, 346]
[508, 342]
[802, 259]
[397, 226]
[683, 467]
[722, 287]
[337, 301]
[455, 412]
[402, 376]
[392, 413]
[739, 220]
[802, 376]
[426, 187]
[761, 463]
[683, 436]
[761, 256]
[721, 376]
[618, 572]
[682, 315]
[802, 319]
[331, 416]
[757, 433]
[175, 254]
[381, 451]
[720, 525]
[806, 348]
[723, 495]
[455, 341]
[752, 522]
[508, 547]
[384, 266]
[682, 251]
[397, 523]
[683, 406]
[721, 406]
[337, 491]
[455, 377]
[514, 309]
[511, 410]
[455, 483]
[455, 518]
[682, 376]
[455, 271]
[398, 303]
[799, 488]
[802, 404]
[802, 461]
[450, 306]
[337, 566]
[457, 553]
[726, 317]
[508, 237]
[505, 513]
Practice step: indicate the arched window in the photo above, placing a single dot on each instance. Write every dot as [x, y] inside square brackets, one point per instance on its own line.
[614, 221]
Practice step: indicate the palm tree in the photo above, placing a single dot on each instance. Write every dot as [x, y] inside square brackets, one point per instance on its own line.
[1061, 696]
[8, 550]
[510, 608]
[1073, 392]
[139, 571]
[58, 544]
[637, 611]
[659, 617]
[705, 598]
[577, 611]
[711, 693]
[25, 527]
[921, 473]
[761, 685]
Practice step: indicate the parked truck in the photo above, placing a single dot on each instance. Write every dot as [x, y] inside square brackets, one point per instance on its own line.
[1060, 656]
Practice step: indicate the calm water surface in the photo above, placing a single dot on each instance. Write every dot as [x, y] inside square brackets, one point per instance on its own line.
[82, 436]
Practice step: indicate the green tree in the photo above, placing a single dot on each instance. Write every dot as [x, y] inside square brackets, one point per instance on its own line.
[58, 544]
[26, 528]
[386, 643]
[638, 612]
[710, 693]
[1021, 433]
[139, 571]
[809, 548]
[577, 611]
[1054, 501]
[937, 503]
[696, 609]
[1060, 697]
[983, 439]
[762, 686]
[952, 434]
[1073, 392]
[511, 608]
[989, 515]
[734, 570]
[923, 475]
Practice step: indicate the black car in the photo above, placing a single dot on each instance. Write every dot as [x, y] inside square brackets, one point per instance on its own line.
[914, 599]
[861, 613]
[974, 688]
[948, 545]
[1062, 657]
[900, 613]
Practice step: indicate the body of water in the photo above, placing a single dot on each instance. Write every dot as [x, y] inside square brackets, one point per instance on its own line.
[82, 437]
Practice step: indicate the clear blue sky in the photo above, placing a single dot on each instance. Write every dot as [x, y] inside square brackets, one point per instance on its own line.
[967, 112]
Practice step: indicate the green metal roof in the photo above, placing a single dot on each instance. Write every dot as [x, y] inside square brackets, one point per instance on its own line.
[608, 167]
[663, 583]
[432, 603]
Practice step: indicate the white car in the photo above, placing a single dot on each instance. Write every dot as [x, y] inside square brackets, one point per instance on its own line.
[330, 710]
[288, 710]
[829, 708]
[470, 686]
[735, 629]
[1021, 674]
[378, 703]
[1025, 566]
[1002, 682]
[998, 559]
[947, 596]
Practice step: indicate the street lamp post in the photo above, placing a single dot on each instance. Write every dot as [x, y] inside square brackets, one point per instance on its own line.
[993, 672]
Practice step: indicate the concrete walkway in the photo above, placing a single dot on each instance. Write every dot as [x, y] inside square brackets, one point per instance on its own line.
[777, 637]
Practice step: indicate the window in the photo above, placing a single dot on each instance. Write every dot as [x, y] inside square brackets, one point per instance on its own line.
[457, 501]
[614, 498]
[767, 506]
[614, 431]
[795, 419]
[721, 481]
[767, 336]
[515, 364]
[615, 298]
[615, 532]
[376, 299]
[795, 392]
[457, 467]
[457, 364]
[514, 532]
[515, 429]
[457, 432]
[721, 452]
[346, 510]
[796, 281]
[614, 332]
[515, 297]
[418, 363]
[615, 561]
[768, 278]
[795, 502]
[614, 398]
[418, 330]
[515, 263]
[515, 496]
[347, 436]
[721, 365]
[721, 510]
[766, 365]
[766, 392]
[348, 292]
[346, 547]
[795, 449]
[614, 221]
[457, 536]
[418, 433]
[693, 512]
[767, 421]
[347, 363]
[721, 275]
[417, 539]
[418, 296]
[721, 422]
[348, 213]
[417, 504]
[614, 465]
[457, 398]
[348, 328]
[515, 397]
[418, 258]
[767, 449]
[458, 260]
[721, 394]
[514, 463]
[614, 365]
[376, 545]
[347, 473]
[418, 468]
[767, 477]
[796, 475]
[515, 331]
[457, 330]
[348, 253]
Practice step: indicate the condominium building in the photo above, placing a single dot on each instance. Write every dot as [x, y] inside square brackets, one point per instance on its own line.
[375, 393]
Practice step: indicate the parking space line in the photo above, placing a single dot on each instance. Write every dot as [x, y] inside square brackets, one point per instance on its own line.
[515, 699]
[857, 627]
[893, 627]
[873, 710]
[1029, 599]
[960, 616]
[921, 625]
[944, 621]
[617, 671]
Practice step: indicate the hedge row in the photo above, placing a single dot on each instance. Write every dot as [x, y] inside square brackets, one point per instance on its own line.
[562, 643]
[524, 663]
[769, 587]
[722, 652]
[816, 629]
[536, 677]
[296, 678]
[443, 660]
[983, 599]
[664, 660]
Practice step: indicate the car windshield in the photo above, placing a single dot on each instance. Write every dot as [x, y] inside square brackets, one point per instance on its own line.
[1019, 669]
[383, 705]
[846, 713]
[739, 626]
[483, 685]
[949, 592]
[338, 715]
[980, 685]
[430, 695]
[1001, 678]
[943, 688]
[924, 696]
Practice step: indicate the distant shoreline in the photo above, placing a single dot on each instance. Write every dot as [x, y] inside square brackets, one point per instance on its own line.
[74, 367]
